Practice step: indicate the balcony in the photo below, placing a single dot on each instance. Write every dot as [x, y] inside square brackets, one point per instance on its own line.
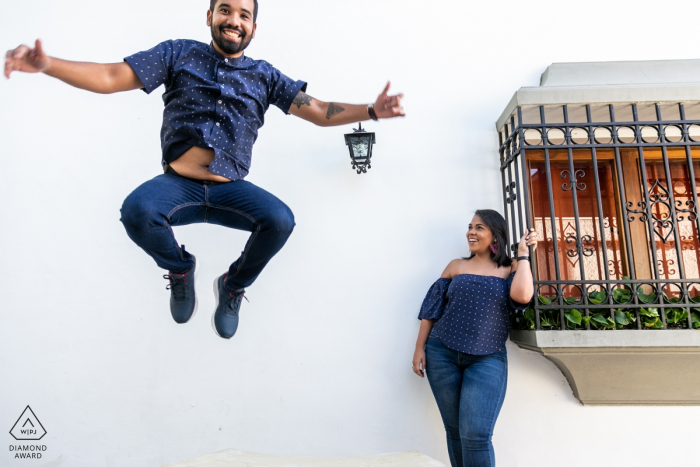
[603, 160]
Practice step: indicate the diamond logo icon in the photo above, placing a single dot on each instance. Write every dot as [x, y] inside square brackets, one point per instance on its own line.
[28, 427]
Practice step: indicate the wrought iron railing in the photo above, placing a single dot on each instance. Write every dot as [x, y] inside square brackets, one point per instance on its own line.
[624, 297]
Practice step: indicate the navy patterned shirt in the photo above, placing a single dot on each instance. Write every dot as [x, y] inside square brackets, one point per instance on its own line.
[212, 101]
[471, 312]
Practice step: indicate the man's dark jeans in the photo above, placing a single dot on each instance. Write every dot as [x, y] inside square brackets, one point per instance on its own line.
[150, 212]
[469, 391]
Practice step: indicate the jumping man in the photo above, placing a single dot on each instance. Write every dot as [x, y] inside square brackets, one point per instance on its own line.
[215, 101]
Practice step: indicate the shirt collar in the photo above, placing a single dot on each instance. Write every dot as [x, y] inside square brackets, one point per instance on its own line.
[230, 61]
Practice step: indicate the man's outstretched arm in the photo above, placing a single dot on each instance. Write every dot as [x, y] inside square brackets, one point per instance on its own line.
[332, 113]
[95, 77]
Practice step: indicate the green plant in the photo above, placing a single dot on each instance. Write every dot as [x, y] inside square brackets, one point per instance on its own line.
[603, 319]
[617, 318]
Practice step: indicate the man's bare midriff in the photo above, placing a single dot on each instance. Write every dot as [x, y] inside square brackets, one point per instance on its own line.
[194, 163]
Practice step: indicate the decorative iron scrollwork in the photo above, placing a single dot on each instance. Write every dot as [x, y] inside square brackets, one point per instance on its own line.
[361, 168]
[691, 211]
[658, 199]
[658, 195]
[580, 249]
[511, 195]
[642, 212]
[574, 180]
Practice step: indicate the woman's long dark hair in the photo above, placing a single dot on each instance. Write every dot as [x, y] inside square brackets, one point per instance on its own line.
[499, 228]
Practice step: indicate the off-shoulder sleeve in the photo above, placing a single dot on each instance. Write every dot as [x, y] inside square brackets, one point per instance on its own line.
[513, 305]
[434, 302]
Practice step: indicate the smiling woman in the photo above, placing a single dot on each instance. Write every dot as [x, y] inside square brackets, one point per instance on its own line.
[464, 328]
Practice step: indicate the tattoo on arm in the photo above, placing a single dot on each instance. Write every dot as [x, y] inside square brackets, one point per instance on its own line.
[302, 99]
[333, 110]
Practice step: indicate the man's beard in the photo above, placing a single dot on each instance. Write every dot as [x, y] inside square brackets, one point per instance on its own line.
[229, 47]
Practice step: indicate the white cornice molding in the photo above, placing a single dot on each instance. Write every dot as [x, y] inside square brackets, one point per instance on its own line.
[609, 83]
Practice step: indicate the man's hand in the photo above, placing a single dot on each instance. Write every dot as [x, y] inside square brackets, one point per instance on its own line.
[27, 60]
[95, 77]
[332, 114]
[388, 106]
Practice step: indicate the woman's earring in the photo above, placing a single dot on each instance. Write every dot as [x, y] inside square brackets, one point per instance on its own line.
[494, 248]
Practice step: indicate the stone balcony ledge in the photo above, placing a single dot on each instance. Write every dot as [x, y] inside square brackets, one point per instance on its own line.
[626, 367]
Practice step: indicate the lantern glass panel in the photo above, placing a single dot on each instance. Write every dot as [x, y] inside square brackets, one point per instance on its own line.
[360, 146]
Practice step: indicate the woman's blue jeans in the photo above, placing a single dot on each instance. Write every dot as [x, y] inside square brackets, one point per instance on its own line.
[150, 212]
[469, 390]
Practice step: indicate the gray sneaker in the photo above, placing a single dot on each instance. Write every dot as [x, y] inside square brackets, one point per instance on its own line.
[183, 300]
[228, 303]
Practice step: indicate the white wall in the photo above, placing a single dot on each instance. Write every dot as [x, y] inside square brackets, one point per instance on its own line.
[321, 361]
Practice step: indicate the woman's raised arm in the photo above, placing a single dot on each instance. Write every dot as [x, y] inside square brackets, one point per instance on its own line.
[522, 288]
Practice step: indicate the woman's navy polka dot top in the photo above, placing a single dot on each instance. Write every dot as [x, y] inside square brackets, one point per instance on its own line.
[470, 312]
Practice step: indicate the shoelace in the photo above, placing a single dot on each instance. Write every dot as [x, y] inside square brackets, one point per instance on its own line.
[235, 302]
[177, 286]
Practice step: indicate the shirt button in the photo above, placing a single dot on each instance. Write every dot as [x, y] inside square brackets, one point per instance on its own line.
[218, 124]
[211, 146]
[226, 60]
[221, 102]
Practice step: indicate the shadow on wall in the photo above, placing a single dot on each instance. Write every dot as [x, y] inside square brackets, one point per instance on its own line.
[533, 376]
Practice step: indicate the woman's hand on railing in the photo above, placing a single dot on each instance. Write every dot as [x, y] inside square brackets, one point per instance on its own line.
[528, 240]
[522, 289]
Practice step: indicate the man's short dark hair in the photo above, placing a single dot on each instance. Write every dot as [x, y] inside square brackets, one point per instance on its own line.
[213, 3]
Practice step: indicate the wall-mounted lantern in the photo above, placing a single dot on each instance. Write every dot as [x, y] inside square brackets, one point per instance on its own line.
[360, 144]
